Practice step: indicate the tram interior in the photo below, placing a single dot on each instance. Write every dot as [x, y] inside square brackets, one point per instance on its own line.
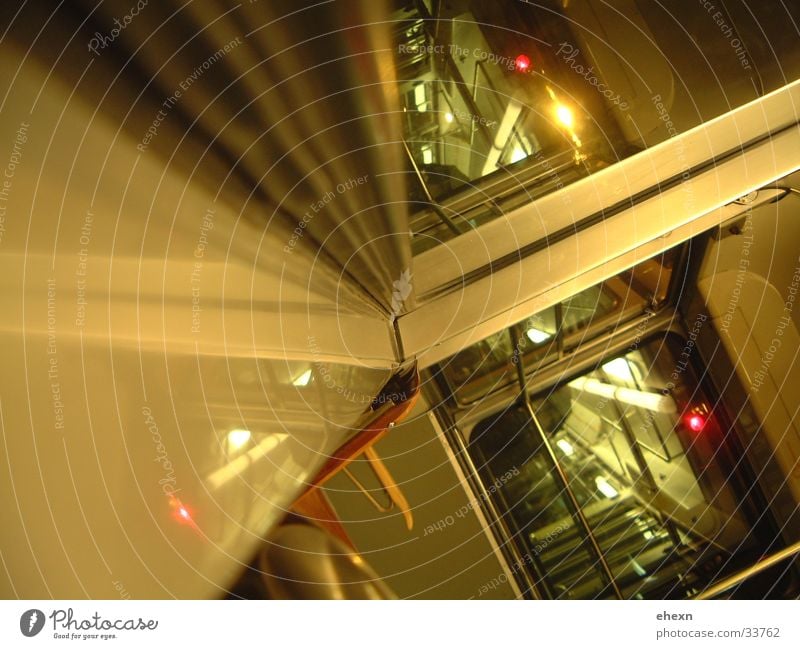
[637, 437]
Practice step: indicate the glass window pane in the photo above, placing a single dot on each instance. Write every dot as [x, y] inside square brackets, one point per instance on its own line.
[506, 101]
[647, 462]
[490, 364]
[517, 467]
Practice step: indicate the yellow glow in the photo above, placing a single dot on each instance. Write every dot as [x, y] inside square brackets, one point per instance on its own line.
[565, 116]
[605, 487]
[427, 155]
[303, 379]
[242, 462]
[537, 336]
[237, 438]
[565, 447]
[619, 369]
[518, 154]
[420, 98]
[448, 117]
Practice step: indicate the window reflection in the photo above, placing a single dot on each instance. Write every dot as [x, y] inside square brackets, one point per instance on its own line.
[656, 492]
[490, 364]
[506, 101]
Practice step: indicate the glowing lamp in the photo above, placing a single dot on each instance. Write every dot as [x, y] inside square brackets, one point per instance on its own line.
[237, 438]
[522, 63]
[181, 512]
[695, 422]
[565, 116]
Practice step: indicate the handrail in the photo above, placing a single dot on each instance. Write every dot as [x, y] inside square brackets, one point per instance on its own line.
[458, 79]
[744, 575]
[577, 511]
[431, 201]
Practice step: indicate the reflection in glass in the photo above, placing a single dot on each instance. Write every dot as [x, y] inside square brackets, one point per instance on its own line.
[656, 493]
[490, 364]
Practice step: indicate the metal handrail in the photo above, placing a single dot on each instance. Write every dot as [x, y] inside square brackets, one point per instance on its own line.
[459, 81]
[443, 216]
[744, 575]
[577, 511]
[479, 65]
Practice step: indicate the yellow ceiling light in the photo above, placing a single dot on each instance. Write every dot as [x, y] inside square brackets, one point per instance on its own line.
[565, 446]
[605, 487]
[619, 369]
[537, 336]
[237, 438]
[565, 116]
[303, 379]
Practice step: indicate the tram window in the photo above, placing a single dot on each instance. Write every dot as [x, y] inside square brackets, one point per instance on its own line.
[647, 462]
[483, 95]
[580, 309]
[502, 99]
[489, 365]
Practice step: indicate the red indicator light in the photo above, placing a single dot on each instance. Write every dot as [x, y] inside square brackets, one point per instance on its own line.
[696, 423]
[522, 63]
[181, 512]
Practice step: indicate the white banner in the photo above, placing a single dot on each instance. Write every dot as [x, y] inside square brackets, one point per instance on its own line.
[398, 624]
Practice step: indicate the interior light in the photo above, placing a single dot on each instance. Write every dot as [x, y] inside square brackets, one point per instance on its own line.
[637, 568]
[564, 115]
[181, 512]
[517, 154]
[537, 336]
[427, 155]
[420, 98]
[303, 379]
[605, 487]
[448, 117]
[638, 398]
[565, 447]
[237, 438]
[522, 63]
[696, 422]
[503, 136]
[619, 369]
[243, 461]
